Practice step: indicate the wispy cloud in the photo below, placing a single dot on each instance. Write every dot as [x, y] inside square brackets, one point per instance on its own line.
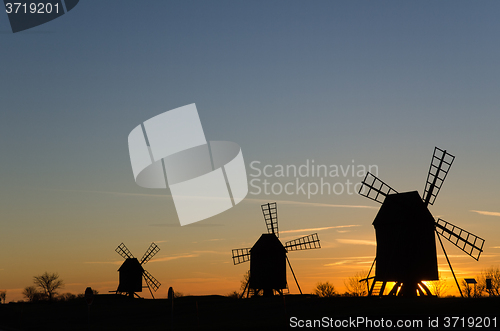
[106, 192]
[104, 262]
[357, 242]
[346, 262]
[357, 260]
[319, 229]
[170, 258]
[488, 213]
[212, 252]
[146, 195]
[312, 204]
[163, 196]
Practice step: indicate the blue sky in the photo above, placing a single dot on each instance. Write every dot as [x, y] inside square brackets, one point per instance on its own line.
[335, 81]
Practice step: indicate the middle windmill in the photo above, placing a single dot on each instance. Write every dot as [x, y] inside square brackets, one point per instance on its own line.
[268, 256]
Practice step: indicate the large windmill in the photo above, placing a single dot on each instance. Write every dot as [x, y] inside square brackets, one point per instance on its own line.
[131, 271]
[404, 228]
[268, 256]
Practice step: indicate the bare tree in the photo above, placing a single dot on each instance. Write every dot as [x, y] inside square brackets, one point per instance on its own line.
[439, 287]
[30, 293]
[244, 281]
[492, 273]
[49, 283]
[325, 290]
[3, 294]
[354, 287]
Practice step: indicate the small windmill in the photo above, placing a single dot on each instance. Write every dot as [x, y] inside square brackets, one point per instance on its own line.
[268, 256]
[404, 228]
[131, 271]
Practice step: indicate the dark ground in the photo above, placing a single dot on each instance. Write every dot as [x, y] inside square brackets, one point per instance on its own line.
[111, 312]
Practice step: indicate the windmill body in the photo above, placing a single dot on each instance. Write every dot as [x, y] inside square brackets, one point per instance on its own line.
[130, 276]
[268, 264]
[406, 245]
[406, 230]
[268, 256]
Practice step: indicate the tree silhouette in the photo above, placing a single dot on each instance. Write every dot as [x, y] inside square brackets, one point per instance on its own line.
[3, 294]
[31, 293]
[354, 287]
[492, 273]
[438, 287]
[49, 283]
[325, 290]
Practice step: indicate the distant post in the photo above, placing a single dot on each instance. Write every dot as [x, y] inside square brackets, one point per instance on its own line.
[89, 298]
[489, 287]
[171, 300]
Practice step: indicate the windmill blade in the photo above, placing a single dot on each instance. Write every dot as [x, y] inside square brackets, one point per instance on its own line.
[152, 250]
[377, 189]
[124, 252]
[241, 255]
[151, 281]
[466, 241]
[440, 166]
[270, 211]
[308, 242]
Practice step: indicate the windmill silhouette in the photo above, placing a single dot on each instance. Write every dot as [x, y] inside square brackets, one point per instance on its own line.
[131, 271]
[404, 229]
[268, 256]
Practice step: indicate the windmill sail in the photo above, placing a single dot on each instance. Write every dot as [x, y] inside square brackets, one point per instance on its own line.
[152, 250]
[440, 166]
[151, 281]
[308, 242]
[124, 252]
[241, 255]
[466, 241]
[270, 211]
[377, 189]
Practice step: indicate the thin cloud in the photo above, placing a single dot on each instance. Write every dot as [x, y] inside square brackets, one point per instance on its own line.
[488, 213]
[346, 262]
[212, 252]
[146, 195]
[357, 242]
[351, 261]
[104, 262]
[319, 229]
[311, 204]
[105, 192]
[170, 258]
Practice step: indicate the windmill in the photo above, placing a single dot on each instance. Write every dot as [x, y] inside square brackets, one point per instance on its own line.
[131, 271]
[268, 256]
[404, 229]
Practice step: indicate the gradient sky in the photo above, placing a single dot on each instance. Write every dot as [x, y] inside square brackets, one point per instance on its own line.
[338, 82]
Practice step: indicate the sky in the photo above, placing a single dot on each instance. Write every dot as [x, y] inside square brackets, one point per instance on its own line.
[334, 83]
